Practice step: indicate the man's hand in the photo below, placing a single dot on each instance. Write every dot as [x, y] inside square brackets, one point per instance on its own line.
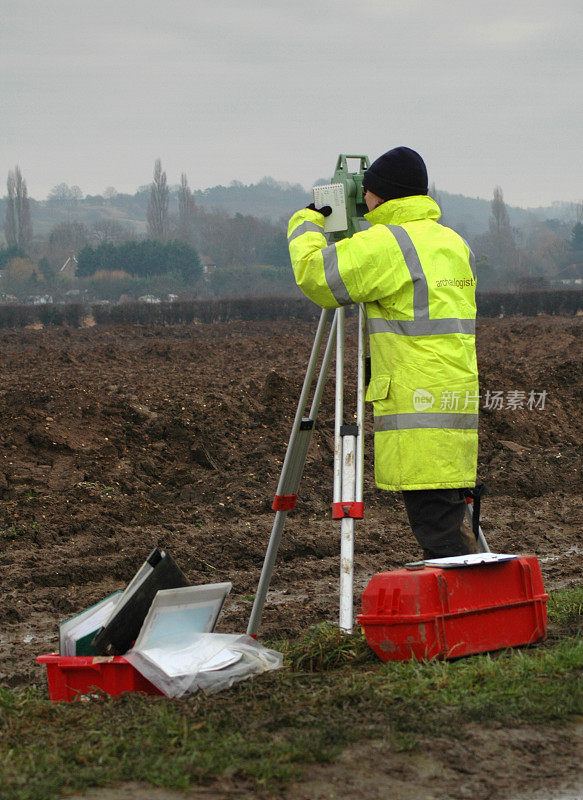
[325, 211]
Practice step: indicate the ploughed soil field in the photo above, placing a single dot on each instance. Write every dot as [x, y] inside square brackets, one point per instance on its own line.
[116, 440]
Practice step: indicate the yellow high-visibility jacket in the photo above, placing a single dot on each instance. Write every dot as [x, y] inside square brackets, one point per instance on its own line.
[417, 281]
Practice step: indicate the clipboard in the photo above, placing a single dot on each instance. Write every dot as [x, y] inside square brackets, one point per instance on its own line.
[332, 195]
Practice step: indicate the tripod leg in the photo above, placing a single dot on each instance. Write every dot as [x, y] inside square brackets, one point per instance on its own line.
[482, 543]
[344, 482]
[339, 405]
[347, 534]
[266, 573]
[352, 475]
[293, 465]
[311, 368]
[360, 410]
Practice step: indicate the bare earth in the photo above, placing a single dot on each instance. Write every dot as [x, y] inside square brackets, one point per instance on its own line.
[114, 440]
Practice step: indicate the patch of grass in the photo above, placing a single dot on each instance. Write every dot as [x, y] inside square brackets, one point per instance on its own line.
[565, 609]
[529, 685]
[325, 647]
[331, 693]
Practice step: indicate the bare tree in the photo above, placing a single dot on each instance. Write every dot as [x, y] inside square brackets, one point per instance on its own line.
[110, 230]
[186, 213]
[504, 252]
[23, 211]
[66, 239]
[576, 242]
[17, 224]
[158, 205]
[10, 226]
[66, 196]
[578, 212]
[60, 194]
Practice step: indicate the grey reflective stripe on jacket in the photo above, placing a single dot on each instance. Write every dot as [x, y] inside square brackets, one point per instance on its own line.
[305, 227]
[420, 288]
[333, 277]
[422, 327]
[425, 419]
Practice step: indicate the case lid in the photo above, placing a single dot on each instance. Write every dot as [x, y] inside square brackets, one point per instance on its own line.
[404, 594]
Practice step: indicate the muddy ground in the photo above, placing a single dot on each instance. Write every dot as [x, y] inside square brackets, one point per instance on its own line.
[115, 440]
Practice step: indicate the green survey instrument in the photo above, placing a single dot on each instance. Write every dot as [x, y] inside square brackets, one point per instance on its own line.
[352, 184]
[344, 197]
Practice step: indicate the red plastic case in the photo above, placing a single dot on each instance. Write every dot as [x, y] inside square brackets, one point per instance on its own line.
[450, 612]
[71, 676]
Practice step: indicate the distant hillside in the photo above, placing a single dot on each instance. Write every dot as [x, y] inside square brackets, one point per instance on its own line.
[472, 213]
[266, 199]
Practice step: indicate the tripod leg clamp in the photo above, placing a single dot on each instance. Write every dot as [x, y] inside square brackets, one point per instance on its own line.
[351, 509]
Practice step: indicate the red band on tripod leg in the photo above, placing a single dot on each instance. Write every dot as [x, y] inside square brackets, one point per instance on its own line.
[352, 509]
[284, 502]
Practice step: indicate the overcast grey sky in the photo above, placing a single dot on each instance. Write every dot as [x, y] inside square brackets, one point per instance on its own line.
[488, 91]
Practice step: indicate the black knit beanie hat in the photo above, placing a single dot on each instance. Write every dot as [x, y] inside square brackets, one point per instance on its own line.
[399, 173]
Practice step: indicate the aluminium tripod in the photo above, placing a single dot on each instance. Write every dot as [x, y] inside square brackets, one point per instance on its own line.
[348, 463]
[347, 502]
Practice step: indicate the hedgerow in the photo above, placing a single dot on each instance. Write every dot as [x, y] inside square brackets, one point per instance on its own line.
[559, 303]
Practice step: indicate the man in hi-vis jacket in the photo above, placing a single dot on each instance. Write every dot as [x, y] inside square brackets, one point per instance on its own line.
[417, 280]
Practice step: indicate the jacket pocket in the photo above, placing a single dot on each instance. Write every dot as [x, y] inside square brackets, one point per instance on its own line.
[378, 388]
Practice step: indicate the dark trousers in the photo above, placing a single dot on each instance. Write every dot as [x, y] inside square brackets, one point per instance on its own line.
[436, 517]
